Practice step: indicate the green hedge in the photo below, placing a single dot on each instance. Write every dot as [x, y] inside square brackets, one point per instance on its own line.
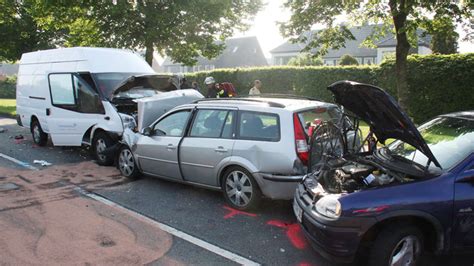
[310, 81]
[8, 88]
[437, 83]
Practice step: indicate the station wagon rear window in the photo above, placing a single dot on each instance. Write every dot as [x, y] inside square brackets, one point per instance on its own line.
[314, 117]
[259, 126]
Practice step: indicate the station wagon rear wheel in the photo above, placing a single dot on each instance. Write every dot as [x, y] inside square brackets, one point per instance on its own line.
[241, 190]
[126, 163]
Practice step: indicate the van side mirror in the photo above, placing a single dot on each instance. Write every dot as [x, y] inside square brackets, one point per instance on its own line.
[148, 131]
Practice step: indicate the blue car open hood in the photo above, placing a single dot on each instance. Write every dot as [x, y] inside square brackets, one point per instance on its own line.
[382, 112]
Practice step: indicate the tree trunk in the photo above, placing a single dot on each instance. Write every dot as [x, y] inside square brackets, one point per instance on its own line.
[399, 15]
[149, 54]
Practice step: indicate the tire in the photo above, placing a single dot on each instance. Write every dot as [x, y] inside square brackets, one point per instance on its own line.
[100, 143]
[126, 163]
[394, 241]
[240, 189]
[39, 137]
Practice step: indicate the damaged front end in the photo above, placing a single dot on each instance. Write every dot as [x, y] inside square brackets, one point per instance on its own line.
[337, 170]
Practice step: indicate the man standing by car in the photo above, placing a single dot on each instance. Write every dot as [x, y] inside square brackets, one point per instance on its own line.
[213, 90]
[255, 90]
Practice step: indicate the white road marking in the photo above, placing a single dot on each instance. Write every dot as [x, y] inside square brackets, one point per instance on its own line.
[21, 163]
[171, 230]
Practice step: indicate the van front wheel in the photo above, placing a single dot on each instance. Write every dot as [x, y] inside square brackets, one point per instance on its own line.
[39, 137]
[101, 142]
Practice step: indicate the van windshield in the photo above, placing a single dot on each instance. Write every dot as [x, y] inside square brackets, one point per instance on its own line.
[108, 82]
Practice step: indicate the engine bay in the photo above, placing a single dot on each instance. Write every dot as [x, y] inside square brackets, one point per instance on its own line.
[348, 176]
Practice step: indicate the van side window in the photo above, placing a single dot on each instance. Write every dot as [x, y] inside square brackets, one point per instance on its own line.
[62, 90]
[71, 92]
[259, 126]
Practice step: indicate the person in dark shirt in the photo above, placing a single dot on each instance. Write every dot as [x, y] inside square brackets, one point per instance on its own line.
[184, 84]
[213, 90]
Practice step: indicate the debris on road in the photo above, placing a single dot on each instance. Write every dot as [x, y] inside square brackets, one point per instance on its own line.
[2, 130]
[19, 137]
[42, 162]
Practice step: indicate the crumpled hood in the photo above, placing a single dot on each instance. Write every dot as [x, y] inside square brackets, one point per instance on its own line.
[382, 112]
[157, 82]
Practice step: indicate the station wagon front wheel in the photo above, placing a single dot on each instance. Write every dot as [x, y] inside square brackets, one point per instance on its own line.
[240, 189]
[126, 163]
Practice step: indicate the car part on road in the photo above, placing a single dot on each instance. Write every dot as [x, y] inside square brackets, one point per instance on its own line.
[240, 189]
[397, 245]
[126, 163]
[39, 137]
[101, 142]
[42, 162]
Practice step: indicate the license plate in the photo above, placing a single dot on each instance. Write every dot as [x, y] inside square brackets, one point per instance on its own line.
[298, 211]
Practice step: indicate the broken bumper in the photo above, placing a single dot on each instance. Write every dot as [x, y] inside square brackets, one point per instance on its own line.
[279, 187]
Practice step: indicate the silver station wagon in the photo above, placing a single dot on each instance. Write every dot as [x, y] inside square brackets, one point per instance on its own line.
[246, 147]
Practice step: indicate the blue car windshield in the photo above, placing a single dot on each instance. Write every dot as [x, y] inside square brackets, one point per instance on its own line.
[450, 139]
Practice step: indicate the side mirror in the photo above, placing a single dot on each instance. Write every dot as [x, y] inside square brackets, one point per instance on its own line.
[148, 131]
[466, 177]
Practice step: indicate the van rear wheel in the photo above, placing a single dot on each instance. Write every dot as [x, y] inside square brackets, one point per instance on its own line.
[101, 142]
[39, 137]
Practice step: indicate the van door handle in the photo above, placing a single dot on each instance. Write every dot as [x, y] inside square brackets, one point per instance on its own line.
[170, 147]
[220, 149]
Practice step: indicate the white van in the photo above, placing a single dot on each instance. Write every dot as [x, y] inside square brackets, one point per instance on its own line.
[84, 95]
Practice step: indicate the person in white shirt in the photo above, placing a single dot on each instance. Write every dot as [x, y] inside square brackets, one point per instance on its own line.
[255, 90]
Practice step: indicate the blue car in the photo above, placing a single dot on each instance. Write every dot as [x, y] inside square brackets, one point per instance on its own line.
[395, 202]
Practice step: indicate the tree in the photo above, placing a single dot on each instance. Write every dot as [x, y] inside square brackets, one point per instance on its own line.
[182, 30]
[305, 59]
[444, 38]
[30, 25]
[347, 60]
[402, 17]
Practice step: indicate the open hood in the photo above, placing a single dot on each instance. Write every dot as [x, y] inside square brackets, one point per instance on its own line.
[156, 82]
[382, 112]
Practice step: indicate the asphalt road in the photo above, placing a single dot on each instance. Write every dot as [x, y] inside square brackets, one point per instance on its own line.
[269, 236]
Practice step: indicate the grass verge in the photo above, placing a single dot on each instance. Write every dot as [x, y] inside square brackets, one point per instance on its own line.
[8, 107]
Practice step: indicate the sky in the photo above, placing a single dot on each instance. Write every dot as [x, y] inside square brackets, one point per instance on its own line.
[265, 28]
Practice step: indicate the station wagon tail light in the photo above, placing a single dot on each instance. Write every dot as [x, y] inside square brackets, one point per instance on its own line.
[300, 140]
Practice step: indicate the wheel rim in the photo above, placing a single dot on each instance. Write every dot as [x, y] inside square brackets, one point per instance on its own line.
[406, 251]
[126, 162]
[36, 134]
[239, 188]
[100, 147]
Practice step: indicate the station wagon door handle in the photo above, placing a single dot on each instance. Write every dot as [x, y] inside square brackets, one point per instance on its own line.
[220, 149]
[170, 147]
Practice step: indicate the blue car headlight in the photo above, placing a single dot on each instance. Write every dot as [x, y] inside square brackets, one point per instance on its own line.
[329, 206]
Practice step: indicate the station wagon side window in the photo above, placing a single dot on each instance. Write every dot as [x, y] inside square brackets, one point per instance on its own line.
[173, 125]
[258, 126]
[212, 124]
[70, 91]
